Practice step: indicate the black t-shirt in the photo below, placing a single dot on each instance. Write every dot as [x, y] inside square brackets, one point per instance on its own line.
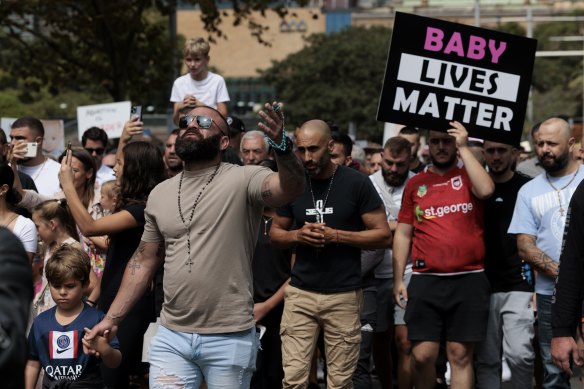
[504, 269]
[270, 266]
[336, 267]
[122, 246]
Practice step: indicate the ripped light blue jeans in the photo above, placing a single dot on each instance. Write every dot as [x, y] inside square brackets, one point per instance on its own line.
[183, 360]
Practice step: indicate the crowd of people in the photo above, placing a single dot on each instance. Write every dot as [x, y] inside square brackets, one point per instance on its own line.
[230, 258]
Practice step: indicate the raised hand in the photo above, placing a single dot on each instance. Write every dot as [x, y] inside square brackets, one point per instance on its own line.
[273, 121]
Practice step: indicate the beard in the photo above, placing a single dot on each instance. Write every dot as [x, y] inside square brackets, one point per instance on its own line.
[445, 164]
[394, 179]
[191, 150]
[558, 163]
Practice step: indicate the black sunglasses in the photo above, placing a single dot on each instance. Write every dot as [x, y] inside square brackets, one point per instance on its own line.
[98, 151]
[203, 121]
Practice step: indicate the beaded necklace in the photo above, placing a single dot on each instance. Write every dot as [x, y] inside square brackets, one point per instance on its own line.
[188, 226]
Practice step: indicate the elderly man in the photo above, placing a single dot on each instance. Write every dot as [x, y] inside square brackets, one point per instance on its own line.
[254, 148]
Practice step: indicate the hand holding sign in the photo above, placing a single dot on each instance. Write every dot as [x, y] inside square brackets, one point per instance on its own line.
[438, 72]
[458, 131]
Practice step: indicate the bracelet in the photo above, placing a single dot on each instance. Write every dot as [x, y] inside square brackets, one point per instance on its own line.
[91, 303]
[281, 146]
[284, 148]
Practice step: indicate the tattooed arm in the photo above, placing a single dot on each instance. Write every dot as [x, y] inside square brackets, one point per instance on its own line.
[282, 187]
[530, 253]
[137, 278]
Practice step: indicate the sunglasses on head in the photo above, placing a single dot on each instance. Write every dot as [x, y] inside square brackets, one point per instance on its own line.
[98, 151]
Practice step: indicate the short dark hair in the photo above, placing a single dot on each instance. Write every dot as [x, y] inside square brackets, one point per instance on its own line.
[95, 134]
[398, 145]
[33, 123]
[409, 130]
[345, 140]
[3, 139]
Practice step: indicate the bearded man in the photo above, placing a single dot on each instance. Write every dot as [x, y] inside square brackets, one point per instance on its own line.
[338, 214]
[206, 220]
[441, 222]
[538, 222]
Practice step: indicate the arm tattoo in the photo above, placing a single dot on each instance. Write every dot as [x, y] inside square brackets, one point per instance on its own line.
[114, 318]
[134, 260]
[266, 193]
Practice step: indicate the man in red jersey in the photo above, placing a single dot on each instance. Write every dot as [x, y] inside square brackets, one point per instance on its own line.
[441, 219]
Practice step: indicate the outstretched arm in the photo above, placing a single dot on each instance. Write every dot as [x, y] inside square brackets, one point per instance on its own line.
[137, 278]
[282, 187]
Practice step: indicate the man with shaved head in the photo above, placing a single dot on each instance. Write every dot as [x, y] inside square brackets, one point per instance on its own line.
[339, 214]
[538, 223]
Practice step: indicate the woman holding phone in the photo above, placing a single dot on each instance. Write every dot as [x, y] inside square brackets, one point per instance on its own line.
[139, 168]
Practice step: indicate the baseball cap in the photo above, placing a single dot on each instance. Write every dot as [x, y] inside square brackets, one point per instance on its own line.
[235, 125]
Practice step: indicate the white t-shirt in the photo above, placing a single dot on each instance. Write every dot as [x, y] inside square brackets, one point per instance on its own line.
[104, 174]
[26, 231]
[211, 90]
[45, 176]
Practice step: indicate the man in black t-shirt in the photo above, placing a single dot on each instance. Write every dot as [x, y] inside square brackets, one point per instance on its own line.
[339, 214]
[510, 325]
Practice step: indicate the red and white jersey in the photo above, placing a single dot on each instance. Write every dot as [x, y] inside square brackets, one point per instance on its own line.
[448, 223]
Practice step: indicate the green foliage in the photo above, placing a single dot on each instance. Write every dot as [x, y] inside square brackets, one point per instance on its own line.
[336, 77]
[90, 47]
[557, 81]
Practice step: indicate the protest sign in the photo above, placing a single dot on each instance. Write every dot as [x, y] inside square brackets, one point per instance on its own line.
[439, 71]
[109, 117]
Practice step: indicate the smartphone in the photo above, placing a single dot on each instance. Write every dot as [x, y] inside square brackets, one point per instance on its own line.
[31, 149]
[136, 112]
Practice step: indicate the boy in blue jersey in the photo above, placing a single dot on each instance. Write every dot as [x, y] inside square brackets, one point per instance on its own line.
[56, 337]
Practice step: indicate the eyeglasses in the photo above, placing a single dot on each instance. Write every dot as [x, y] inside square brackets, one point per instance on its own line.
[203, 121]
[98, 151]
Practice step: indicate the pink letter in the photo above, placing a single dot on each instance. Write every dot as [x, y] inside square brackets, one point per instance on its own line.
[455, 45]
[476, 47]
[433, 39]
[496, 52]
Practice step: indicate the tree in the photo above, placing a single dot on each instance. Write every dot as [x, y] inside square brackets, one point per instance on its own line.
[336, 77]
[123, 47]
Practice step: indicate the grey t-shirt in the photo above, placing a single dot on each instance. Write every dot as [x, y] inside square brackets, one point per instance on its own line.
[216, 296]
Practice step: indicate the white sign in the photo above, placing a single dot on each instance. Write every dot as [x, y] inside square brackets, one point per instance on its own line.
[109, 117]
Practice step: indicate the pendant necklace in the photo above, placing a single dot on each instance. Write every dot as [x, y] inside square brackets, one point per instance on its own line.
[188, 225]
[561, 189]
[320, 210]
[266, 219]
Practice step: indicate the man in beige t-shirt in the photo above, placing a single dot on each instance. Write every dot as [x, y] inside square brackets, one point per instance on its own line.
[208, 218]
